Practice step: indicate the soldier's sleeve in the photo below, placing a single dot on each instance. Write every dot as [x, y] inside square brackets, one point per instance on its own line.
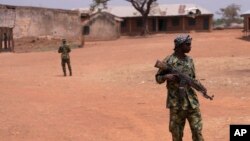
[159, 76]
[194, 75]
[69, 50]
[193, 69]
[160, 73]
[60, 50]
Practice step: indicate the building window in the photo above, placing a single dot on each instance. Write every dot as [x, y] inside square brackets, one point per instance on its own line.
[139, 23]
[85, 30]
[124, 23]
[191, 22]
[175, 21]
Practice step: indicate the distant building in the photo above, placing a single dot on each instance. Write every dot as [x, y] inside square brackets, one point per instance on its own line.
[101, 26]
[164, 18]
[246, 16]
[22, 21]
[7, 23]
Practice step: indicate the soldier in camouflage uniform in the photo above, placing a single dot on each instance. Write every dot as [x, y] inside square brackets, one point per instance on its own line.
[181, 100]
[65, 58]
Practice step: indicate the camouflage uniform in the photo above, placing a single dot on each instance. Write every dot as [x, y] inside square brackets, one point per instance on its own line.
[182, 107]
[65, 58]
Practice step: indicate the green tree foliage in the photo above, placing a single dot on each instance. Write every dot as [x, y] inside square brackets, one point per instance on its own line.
[218, 21]
[230, 14]
[98, 3]
[143, 7]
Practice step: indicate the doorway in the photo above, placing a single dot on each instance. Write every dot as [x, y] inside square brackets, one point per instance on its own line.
[206, 23]
[162, 24]
[248, 26]
[6, 39]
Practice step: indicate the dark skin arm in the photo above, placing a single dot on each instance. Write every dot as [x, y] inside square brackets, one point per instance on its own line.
[59, 50]
[170, 77]
[163, 75]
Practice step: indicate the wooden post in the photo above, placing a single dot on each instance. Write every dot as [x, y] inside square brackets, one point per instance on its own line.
[210, 23]
[8, 38]
[5, 39]
[130, 26]
[1, 39]
[245, 28]
[183, 23]
[12, 40]
[248, 24]
[157, 24]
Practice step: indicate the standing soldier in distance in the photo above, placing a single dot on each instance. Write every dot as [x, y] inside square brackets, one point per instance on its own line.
[181, 100]
[65, 58]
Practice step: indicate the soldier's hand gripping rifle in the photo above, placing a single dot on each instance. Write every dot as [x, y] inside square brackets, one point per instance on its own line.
[191, 82]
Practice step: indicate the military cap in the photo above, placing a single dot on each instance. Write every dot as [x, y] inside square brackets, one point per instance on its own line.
[180, 39]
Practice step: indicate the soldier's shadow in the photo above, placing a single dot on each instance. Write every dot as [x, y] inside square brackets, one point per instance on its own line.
[245, 38]
[59, 75]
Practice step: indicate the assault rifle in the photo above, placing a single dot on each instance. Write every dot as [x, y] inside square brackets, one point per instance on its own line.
[188, 81]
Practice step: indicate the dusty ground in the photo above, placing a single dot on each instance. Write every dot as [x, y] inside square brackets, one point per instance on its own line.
[112, 95]
[40, 44]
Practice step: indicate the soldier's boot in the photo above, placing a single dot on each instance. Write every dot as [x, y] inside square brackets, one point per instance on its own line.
[70, 71]
[64, 72]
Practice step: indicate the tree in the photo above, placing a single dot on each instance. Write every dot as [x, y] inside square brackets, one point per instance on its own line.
[230, 14]
[143, 7]
[98, 3]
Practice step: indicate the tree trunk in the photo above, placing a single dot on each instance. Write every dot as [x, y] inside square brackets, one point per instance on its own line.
[145, 30]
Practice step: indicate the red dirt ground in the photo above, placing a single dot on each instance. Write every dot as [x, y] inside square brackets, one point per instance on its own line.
[112, 95]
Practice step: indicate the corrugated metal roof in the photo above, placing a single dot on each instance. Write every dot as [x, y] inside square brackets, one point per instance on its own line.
[246, 13]
[159, 10]
[108, 16]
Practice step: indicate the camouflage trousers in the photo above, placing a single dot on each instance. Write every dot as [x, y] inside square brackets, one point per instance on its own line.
[178, 120]
[64, 62]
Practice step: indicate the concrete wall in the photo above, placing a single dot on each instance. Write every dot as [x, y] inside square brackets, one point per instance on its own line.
[199, 25]
[246, 22]
[131, 24]
[101, 28]
[33, 21]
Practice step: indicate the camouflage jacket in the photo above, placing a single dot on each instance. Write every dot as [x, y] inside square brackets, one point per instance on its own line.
[185, 66]
[64, 50]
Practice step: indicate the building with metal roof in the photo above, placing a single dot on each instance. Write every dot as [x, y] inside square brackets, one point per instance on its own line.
[7, 23]
[101, 26]
[26, 21]
[158, 10]
[246, 21]
[246, 13]
[164, 18]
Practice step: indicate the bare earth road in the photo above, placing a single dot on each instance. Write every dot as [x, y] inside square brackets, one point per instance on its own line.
[112, 95]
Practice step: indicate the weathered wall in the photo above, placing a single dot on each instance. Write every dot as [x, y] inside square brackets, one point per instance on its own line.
[33, 21]
[102, 28]
[131, 24]
[199, 26]
[246, 22]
